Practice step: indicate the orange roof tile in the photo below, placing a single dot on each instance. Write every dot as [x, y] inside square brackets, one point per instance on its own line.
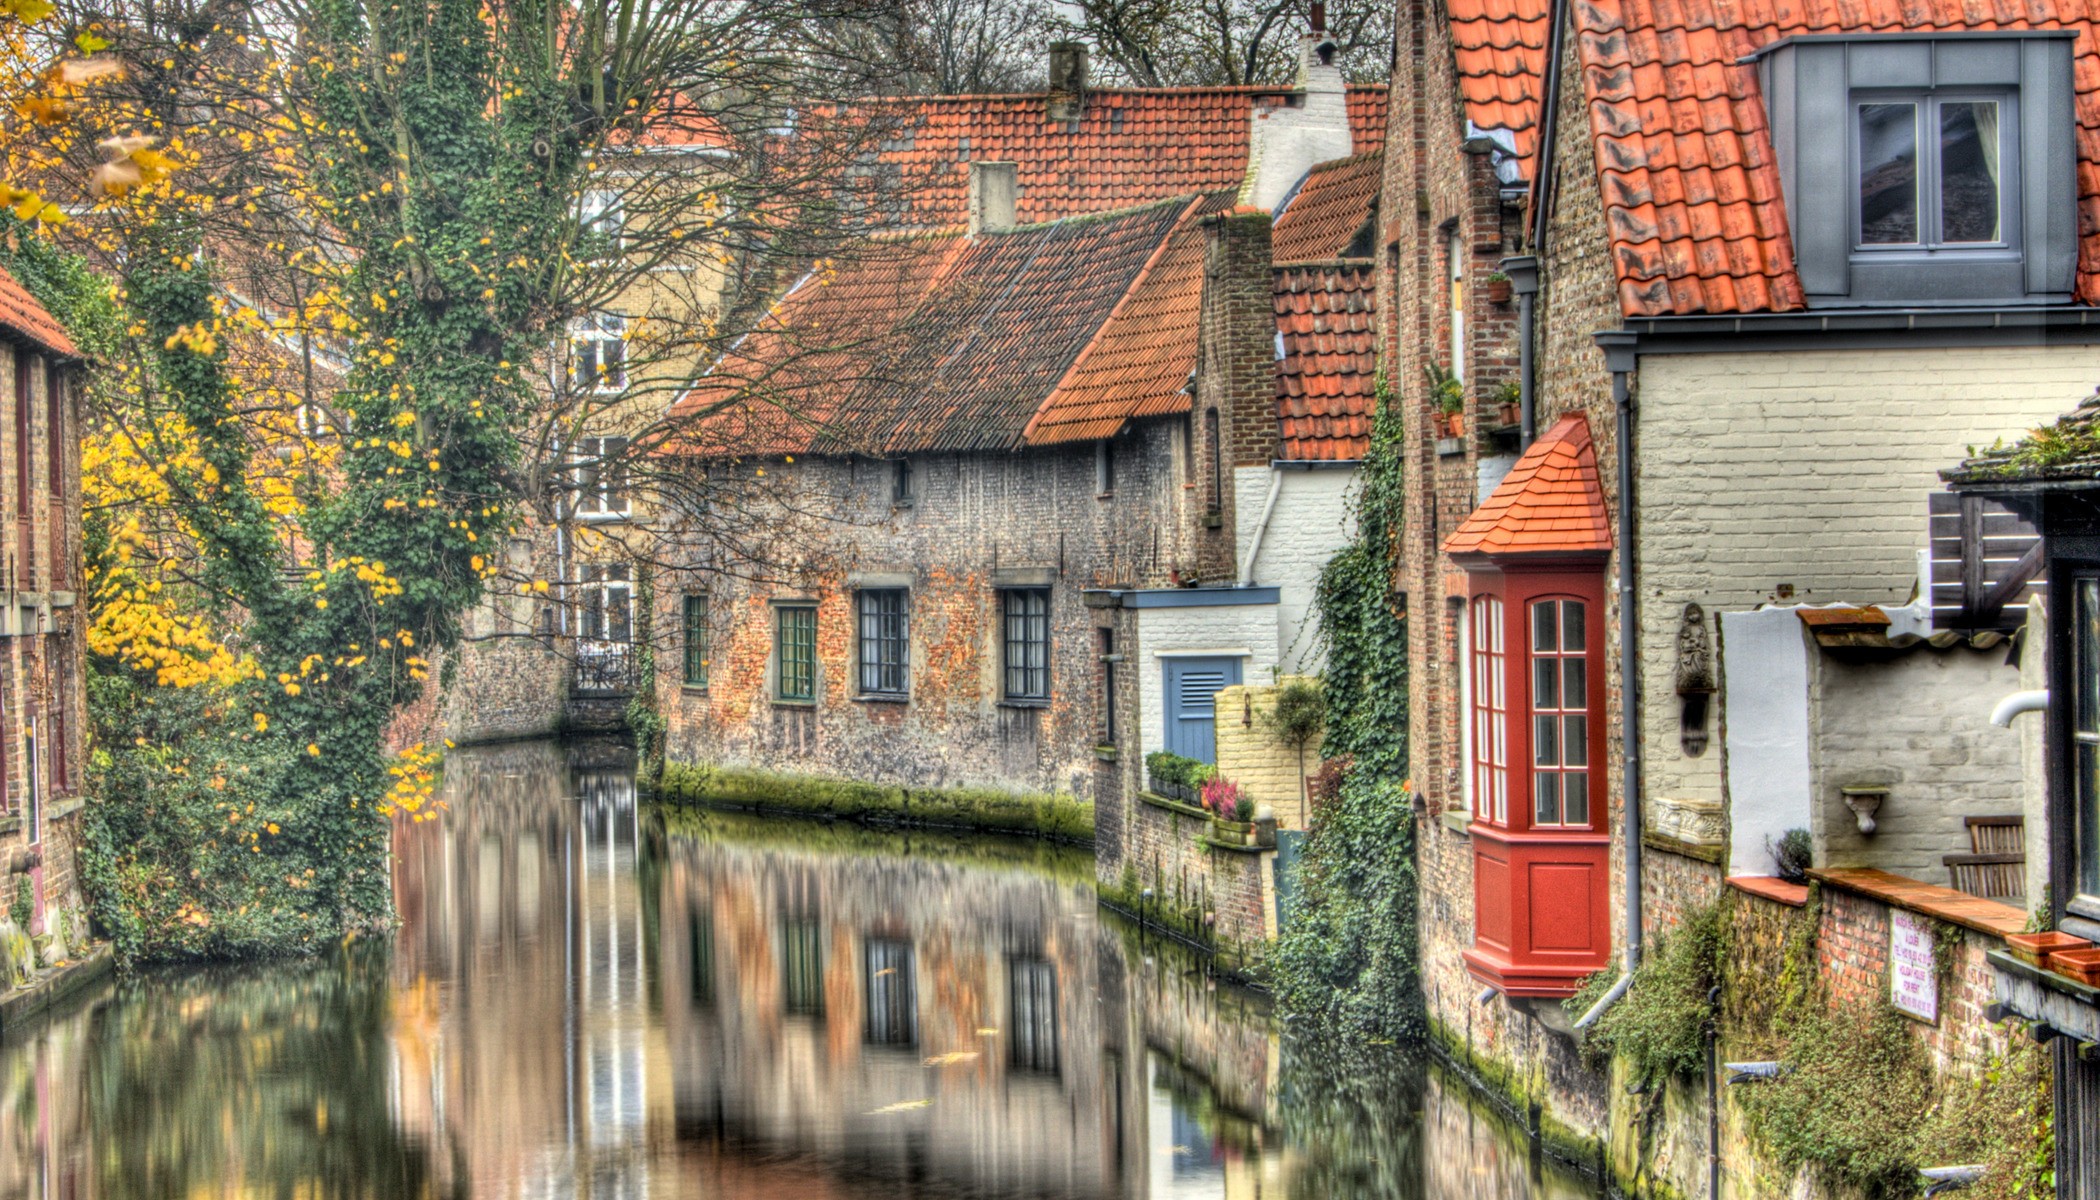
[20, 312]
[1129, 146]
[1499, 52]
[1327, 374]
[1691, 186]
[1329, 209]
[1549, 503]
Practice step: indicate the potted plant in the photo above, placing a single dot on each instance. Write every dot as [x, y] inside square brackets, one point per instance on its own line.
[2034, 949]
[1499, 288]
[1231, 812]
[1298, 716]
[1448, 394]
[1795, 854]
[2081, 965]
[1509, 403]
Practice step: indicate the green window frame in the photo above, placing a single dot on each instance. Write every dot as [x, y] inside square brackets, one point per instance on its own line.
[795, 653]
[697, 643]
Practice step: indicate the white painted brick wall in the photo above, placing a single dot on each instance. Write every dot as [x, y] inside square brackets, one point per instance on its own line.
[1313, 520]
[1809, 468]
[1220, 627]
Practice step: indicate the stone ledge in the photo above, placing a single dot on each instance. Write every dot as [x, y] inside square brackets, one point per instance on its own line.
[1457, 822]
[50, 987]
[1771, 887]
[1692, 850]
[1960, 908]
[1174, 806]
[1231, 847]
[61, 809]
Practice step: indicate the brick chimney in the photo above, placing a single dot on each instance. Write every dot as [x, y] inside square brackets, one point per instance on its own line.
[1299, 130]
[994, 188]
[1235, 378]
[1067, 99]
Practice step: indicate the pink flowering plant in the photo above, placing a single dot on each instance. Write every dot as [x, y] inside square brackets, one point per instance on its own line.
[1223, 799]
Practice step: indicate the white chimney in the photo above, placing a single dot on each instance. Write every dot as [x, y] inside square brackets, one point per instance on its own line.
[994, 188]
[1295, 132]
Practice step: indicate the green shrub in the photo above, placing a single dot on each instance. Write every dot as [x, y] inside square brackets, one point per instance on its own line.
[1854, 1093]
[1659, 1025]
[1300, 712]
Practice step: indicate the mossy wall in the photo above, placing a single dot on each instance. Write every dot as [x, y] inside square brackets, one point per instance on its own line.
[1049, 815]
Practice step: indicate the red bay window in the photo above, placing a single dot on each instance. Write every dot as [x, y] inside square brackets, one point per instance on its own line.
[1534, 556]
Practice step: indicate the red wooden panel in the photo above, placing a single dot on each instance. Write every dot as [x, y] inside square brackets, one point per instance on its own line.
[1563, 896]
[1491, 901]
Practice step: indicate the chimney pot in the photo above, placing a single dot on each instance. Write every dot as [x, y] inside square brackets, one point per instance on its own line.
[994, 188]
[1068, 69]
[1319, 17]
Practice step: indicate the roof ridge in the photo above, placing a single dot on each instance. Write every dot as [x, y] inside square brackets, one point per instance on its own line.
[1208, 89]
[1343, 262]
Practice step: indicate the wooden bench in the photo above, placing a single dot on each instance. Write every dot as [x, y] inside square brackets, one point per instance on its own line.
[1996, 866]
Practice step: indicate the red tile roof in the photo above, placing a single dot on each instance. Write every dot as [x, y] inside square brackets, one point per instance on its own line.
[927, 343]
[1330, 207]
[1549, 503]
[1499, 48]
[1130, 146]
[1691, 187]
[1140, 361]
[20, 312]
[1326, 377]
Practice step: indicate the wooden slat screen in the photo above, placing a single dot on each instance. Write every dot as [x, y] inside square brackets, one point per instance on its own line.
[1985, 560]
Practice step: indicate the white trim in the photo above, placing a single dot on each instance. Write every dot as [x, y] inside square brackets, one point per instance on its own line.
[1465, 708]
[1240, 653]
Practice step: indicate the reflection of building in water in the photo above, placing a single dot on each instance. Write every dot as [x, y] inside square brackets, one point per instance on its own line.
[523, 1039]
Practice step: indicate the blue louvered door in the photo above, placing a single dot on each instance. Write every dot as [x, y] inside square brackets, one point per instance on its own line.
[1191, 703]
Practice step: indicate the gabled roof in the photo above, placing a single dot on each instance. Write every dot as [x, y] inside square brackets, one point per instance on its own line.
[1330, 207]
[1326, 372]
[1549, 503]
[1691, 187]
[21, 314]
[1129, 146]
[928, 342]
[2066, 452]
[1499, 52]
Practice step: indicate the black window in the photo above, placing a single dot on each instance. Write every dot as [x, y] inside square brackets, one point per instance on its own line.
[2085, 732]
[1953, 181]
[697, 646]
[795, 653]
[901, 484]
[885, 642]
[1025, 624]
[608, 602]
[802, 967]
[893, 1001]
[1104, 467]
[1108, 686]
[700, 953]
[1034, 1016]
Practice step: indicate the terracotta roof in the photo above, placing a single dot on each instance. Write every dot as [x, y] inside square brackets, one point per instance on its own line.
[1330, 207]
[2067, 451]
[20, 312]
[1499, 52]
[1130, 146]
[1549, 503]
[1326, 375]
[1691, 187]
[932, 342]
[1139, 363]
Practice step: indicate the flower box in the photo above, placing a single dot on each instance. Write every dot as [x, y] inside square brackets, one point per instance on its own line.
[1454, 424]
[2081, 965]
[1231, 833]
[2034, 949]
[1510, 414]
[1173, 790]
[1499, 291]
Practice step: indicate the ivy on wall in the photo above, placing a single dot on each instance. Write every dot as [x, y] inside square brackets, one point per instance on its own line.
[1347, 960]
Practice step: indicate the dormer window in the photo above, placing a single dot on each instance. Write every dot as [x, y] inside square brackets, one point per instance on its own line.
[1954, 182]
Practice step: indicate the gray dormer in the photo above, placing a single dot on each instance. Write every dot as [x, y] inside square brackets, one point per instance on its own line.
[1927, 169]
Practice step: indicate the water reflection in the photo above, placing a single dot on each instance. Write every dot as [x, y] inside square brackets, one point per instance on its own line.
[592, 998]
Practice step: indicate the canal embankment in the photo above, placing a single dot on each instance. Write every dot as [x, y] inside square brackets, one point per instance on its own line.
[1056, 816]
[22, 1006]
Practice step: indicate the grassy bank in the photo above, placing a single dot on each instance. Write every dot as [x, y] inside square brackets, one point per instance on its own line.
[1057, 816]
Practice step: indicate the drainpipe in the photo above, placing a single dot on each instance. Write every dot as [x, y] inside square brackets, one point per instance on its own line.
[1523, 272]
[2017, 703]
[1620, 348]
[1261, 527]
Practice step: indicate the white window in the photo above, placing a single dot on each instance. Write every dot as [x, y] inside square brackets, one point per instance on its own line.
[608, 602]
[1489, 712]
[1455, 255]
[598, 351]
[602, 221]
[601, 477]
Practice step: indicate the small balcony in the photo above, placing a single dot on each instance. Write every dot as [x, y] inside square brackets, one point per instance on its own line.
[603, 670]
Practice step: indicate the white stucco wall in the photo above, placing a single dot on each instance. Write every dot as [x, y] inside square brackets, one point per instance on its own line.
[1313, 520]
[1807, 468]
[1289, 140]
[1243, 631]
[1764, 689]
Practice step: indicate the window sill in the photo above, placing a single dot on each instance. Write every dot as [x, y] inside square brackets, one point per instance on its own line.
[1011, 702]
[1457, 822]
[883, 698]
[1104, 495]
[780, 703]
[604, 518]
[693, 689]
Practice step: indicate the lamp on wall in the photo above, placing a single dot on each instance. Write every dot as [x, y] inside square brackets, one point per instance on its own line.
[1695, 680]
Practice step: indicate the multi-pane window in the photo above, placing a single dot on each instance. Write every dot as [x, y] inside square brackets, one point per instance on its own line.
[1025, 629]
[2085, 732]
[601, 219]
[601, 476]
[1931, 170]
[802, 967]
[598, 351]
[893, 1001]
[1490, 713]
[697, 642]
[795, 653]
[608, 602]
[885, 641]
[1033, 1018]
[1560, 734]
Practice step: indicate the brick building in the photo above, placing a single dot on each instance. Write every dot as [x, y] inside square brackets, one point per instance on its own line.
[1696, 613]
[41, 714]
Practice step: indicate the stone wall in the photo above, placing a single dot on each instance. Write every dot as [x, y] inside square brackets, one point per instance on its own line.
[1313, 520]
[1223, 896]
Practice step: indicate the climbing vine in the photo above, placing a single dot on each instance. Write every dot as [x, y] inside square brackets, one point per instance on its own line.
[1347, 960]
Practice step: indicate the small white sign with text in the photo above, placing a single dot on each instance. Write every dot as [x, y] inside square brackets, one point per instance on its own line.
[1914, 977]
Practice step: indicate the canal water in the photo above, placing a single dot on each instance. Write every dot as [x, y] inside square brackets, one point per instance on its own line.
[590, 997]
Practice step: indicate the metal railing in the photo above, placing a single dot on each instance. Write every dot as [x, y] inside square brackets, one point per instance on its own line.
[604, 669]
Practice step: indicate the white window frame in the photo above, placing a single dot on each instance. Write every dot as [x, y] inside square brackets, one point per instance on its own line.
[603, 211]
[601, 491]
[1455, 251]
[588, 335]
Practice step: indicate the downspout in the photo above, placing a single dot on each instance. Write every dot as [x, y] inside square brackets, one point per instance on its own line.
[1620, 348]
[1523, 272]
[1261, 526]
